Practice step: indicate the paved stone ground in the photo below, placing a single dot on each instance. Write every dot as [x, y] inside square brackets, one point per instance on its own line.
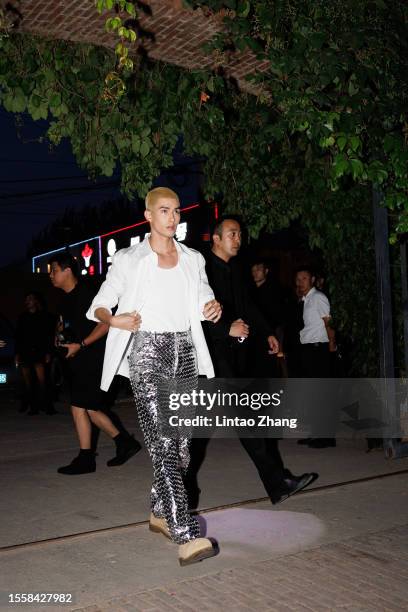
[361, 574]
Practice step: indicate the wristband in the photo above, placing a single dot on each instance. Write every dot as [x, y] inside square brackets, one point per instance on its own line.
[83, 345]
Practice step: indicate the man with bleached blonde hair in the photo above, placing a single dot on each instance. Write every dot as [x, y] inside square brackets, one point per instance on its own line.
[160, 192]
[155, 338]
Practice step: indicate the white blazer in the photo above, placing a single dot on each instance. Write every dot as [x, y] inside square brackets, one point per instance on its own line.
[127, 285]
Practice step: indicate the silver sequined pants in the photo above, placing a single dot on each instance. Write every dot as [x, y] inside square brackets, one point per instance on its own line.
[161, 364]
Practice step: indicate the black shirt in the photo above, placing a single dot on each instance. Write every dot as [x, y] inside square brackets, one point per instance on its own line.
[228, 281]
[271, 301]
[76, 326]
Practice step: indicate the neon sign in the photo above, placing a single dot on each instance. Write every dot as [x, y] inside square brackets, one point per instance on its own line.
[87, 254]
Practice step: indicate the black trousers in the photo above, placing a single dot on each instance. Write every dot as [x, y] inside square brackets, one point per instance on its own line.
[315, 360]
[229, 362]
[316, 363]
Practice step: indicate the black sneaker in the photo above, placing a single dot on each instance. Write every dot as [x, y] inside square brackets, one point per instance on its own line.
[125, 449]
[82, 464]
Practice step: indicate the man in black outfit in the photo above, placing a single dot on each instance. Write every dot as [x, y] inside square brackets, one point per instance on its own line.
[84, 344]
[228, 347]
[270, 299]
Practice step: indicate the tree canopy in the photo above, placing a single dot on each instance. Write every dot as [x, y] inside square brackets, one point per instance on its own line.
[328, 122]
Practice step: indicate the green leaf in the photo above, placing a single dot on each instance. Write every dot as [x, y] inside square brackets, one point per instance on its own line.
[243, 8]
[210, 84]
[357, 168]
[327, 142]
[355, 143]
[340, 165]
[19, 101]
[114, 23]
[136, 144]
[130, 8]
[35, 100]
[144, 148]
[377, 172]
[100, 6]
[55, 100]
[341, 142]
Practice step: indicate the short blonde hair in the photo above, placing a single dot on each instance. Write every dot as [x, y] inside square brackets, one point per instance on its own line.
[157, 193]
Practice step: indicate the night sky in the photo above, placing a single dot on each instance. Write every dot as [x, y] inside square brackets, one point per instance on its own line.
[37, 184]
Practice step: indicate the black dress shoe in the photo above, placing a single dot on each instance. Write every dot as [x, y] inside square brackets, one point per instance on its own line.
[290, 486]
[125, 449]
[82, 464]
[304, 441]
[322, 443]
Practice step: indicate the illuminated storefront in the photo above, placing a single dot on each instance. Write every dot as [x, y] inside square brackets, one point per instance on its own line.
[95, 254]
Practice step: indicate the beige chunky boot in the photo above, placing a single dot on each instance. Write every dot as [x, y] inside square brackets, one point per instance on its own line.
[195, 550]
[159, 525]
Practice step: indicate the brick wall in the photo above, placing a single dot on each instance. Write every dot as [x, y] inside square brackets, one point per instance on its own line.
[177, 34]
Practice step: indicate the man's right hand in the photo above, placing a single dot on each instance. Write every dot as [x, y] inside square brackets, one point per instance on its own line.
[239, 329]
[129, 321]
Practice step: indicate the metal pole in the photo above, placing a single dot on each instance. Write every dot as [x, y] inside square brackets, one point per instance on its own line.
[383, 287]
[392, 447]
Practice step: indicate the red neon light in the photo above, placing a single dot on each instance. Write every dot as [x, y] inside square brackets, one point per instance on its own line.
[92, 270]
[216, 211]
[122, 229]
[87, 251]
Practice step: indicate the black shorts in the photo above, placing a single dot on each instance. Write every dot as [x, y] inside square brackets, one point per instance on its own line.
[84, 376]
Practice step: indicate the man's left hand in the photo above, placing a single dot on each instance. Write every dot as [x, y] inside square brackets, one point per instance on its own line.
[273, 345]
[212, 311]
[73, 349]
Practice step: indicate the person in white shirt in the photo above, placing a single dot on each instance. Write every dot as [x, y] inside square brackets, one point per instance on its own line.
[162, 294]
[317, 338]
